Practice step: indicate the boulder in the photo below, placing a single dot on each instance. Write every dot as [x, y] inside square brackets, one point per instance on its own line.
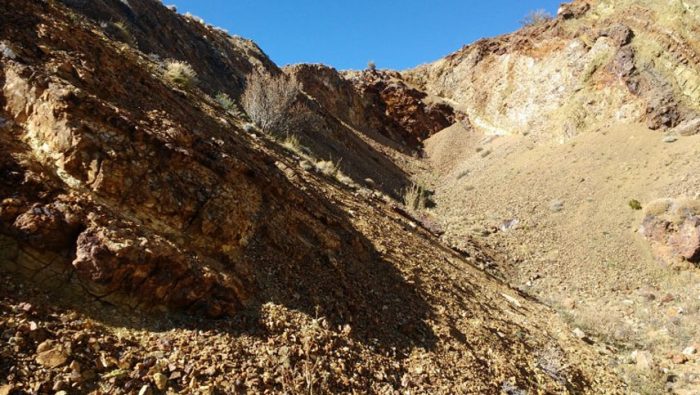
[672, 227]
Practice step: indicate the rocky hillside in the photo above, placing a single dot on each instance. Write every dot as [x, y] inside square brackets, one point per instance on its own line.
[153, 240]
[377, 103]
[596, 64]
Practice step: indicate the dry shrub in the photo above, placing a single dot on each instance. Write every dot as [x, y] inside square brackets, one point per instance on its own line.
[536, 17]
[331, 169]
[291, 143]
[673, 210]
[687, 207]
[327, 167]
[416, 198]
[268, 101]
[180, 73]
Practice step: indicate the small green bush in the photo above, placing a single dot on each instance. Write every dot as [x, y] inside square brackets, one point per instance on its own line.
[225, 101]
[635, 204]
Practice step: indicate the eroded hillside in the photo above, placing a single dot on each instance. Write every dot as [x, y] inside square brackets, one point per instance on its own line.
[138, 204]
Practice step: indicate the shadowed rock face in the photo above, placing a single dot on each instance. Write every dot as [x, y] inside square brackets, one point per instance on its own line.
[379, 104]
[114, 180]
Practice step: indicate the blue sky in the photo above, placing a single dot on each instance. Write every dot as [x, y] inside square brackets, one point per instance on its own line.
[347, 34]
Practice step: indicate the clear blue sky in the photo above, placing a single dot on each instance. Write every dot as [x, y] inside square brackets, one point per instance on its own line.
[346, 34]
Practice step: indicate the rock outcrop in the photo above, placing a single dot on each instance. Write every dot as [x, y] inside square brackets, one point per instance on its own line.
[672, 226]
[376, 103]
[139, 192]
[595, 64]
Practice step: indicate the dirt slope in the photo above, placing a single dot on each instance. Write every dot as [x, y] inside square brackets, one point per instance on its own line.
[135, 208]
[576, 128]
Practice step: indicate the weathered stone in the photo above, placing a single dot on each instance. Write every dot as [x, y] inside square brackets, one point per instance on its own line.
[376, 101]
[573, 9]
[579, 333]
[679, 359]
[160, 381]
[620, 34]
[644, 360]
[670, 139]
[556, 205]
[52, 358]
[690, 350]
[674, 234]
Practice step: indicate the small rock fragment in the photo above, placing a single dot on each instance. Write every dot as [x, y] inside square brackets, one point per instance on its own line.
[679, 359]
[556, 205]
[579, 333]
[644, 360]
[160, 380]
[670, 139]
[690, 350]
[569, 303]
[52, 358]
[146, 390]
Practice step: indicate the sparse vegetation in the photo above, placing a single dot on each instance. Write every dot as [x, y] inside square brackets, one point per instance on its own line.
[416, 198]
[269, 101]
[120, 31]
[291, 143]
[228, 104]
[657, 207]
[180, 73]
[332, 169]
[327, 167]
[635, 204]
[225, 101]
[674, 210]
[687, 207]
[371, 66]
[536, 17]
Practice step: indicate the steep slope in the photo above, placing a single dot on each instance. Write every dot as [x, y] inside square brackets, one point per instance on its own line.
[227, 64]
[135, 207]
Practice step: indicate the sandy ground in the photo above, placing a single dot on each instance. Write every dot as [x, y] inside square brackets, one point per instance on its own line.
[559, 213]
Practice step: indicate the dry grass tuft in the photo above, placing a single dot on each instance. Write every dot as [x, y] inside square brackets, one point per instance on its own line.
[292, 143]
[327, 168]
[657, 207]
[180, 73]
[416, 198]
